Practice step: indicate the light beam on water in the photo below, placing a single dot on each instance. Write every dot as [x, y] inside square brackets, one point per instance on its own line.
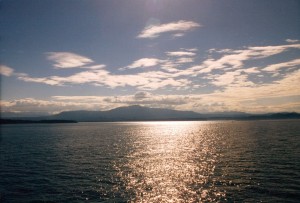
[172, 162]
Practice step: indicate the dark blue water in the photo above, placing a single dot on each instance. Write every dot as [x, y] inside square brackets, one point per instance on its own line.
[226, 161]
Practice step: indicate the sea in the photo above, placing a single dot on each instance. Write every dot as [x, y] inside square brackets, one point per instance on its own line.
[181, 161]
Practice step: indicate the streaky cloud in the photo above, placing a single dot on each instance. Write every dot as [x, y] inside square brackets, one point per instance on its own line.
[142, 63]
[154, 31]
[292, 40]
[288, 64]
[234, 59]
[180, 53]
[232, 80]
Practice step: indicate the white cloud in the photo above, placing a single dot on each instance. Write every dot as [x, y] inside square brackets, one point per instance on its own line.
[231, 79]
[232, 98]
[78, 78]
[68, 59]
[189, 49]
[178, 35]
[181, 26]
[95, 66]
[170, 66]
[288, 64]
[146, 80]
[80, 99]
[251, 70]
[236, 97]
[225, 79]
[6, 71]
[143, 62]
[236, 94]
[223, 51]
[44, 80]
[184, 60]
[234, 59]
[292, 40]
[233, 84]
[230, 71]
[54, 105]
[180, 53]
[263, 52]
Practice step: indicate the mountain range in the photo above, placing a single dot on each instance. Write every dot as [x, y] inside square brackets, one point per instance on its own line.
[139, 113]
[130, 113]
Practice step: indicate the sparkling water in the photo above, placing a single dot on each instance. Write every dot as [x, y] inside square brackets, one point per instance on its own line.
[203, 161]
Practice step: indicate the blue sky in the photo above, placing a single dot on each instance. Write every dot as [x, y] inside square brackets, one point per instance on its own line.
[205, 56]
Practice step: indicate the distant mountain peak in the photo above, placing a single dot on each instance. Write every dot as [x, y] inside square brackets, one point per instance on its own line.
[129, 113]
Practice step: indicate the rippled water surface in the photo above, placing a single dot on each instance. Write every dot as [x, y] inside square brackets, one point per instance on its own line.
[220, 161]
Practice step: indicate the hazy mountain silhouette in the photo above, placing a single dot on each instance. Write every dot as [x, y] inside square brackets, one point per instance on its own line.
[130, 113]
[140, 113]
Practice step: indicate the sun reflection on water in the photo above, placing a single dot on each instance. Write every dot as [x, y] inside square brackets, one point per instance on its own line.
[172, 162]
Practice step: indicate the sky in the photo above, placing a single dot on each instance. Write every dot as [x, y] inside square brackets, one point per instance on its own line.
[199, 55]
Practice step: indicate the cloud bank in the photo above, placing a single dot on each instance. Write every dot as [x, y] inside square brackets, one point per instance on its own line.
[224, 81]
